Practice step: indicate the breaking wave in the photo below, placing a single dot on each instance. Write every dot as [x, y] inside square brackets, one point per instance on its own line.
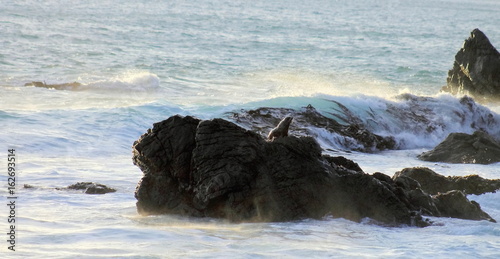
[415, 121]
[141, 81]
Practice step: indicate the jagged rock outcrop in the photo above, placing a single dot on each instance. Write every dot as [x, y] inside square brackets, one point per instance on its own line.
[434, 183]
[214, 168]
[307, 121]
[458, 148]
[476, 70]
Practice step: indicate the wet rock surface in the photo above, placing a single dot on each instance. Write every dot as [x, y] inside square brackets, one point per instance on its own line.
[448, 194]
[478, 148]
[434, 183]
[87, 187]
[91, 188]
[476, 70]
[308, 122]
[214, 168]
[456, 205]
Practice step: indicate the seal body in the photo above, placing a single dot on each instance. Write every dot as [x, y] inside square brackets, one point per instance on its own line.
[281, 130]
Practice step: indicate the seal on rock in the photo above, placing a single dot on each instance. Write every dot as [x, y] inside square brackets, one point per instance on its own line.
[281, 130]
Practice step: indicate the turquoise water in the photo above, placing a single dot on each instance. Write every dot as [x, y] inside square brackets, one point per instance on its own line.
[142, 61]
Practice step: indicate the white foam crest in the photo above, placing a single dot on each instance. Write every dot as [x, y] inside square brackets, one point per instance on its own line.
[333, 140]
[416, 121]
[435, 118]
[131, 81]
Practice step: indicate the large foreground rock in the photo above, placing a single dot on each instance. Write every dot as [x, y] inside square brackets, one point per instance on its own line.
[458, 148]
[214, 168]
[476, 70]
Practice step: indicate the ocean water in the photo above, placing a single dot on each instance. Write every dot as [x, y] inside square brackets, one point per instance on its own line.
[140, 62]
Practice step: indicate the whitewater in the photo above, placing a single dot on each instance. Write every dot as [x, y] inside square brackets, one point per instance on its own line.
[140, 62]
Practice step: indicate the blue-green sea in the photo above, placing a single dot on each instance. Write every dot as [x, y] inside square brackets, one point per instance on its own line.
[139, 62]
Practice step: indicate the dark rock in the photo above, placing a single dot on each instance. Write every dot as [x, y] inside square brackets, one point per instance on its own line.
[478, 148]
[308, 122]
[426, 203]
[455, 204]
[476, 70]
[434, 183]
[383, 178]
[64, 86]
[91, 188]
[406, 183]
[214, 168]
[340, 161]
[423, 178]
[449, 200]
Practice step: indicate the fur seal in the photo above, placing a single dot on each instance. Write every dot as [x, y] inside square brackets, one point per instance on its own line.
[281, 130]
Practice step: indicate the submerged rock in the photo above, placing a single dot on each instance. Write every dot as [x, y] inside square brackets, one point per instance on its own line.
[434, 183]
[64, 86]
[91, 188]
[478, 148]
[214, 168]
[476, 70]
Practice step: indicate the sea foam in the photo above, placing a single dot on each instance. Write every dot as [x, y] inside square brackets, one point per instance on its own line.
[129, 81]
[414, 121]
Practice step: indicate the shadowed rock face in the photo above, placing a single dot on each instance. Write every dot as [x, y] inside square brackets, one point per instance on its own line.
[433, 183]
[456, 205]
[476, 70]
[214, 168]
[458, 148]
[449, 193]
